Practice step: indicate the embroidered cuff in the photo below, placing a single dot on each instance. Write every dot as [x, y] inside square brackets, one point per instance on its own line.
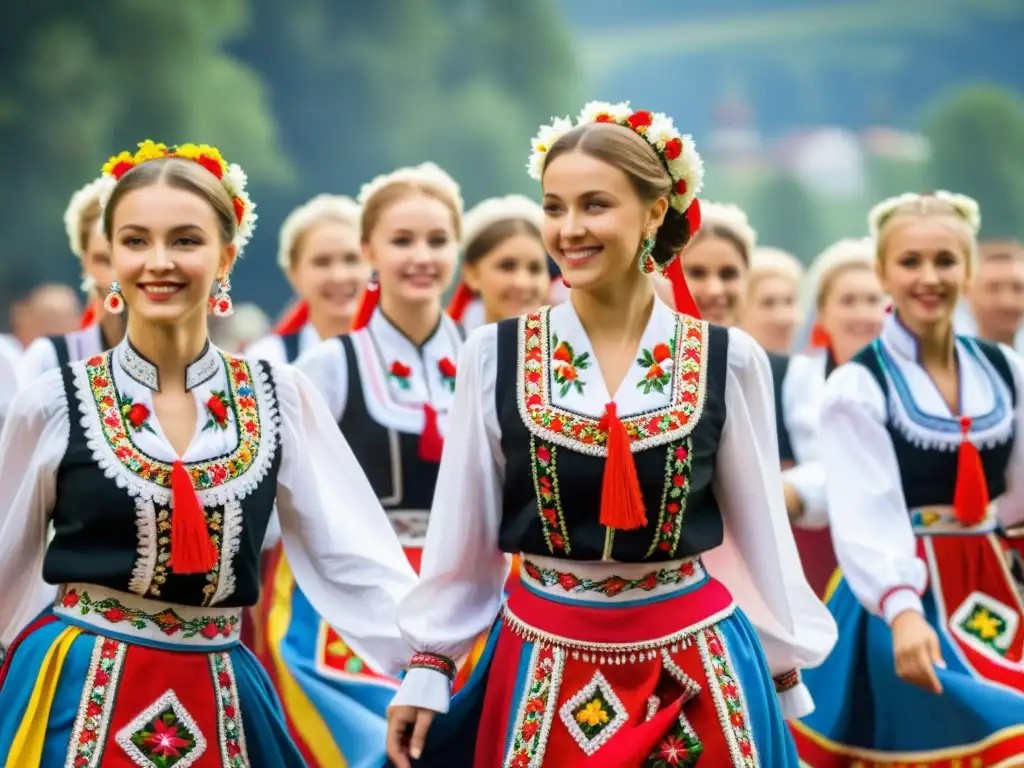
[896, 601]
[434, 661]
[787, 681]
[1014, 531]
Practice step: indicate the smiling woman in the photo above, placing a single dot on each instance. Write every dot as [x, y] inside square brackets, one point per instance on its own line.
[159, 464]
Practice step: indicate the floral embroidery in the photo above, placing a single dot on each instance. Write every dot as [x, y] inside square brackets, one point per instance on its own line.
[533, 722]
[678, 460]
[400, 373]
[549, 502]
[90, 730]
[586, 434]
[567, 365]
[218, 407]
[167, 620]
[679, 749]
[657, 363]
[447, 370]
[613, 585]
[205, 474]
[215, 525]
[229, 718]
[594, 714]
[164, 735]
[135, 414]
[163, 551]
[727, 692]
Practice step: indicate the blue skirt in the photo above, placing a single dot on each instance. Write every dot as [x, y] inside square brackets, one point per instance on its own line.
[865, 712]
[70, 696]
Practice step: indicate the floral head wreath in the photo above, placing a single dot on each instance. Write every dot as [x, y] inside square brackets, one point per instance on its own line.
[428, 174]
[963, 206]
[677, 151]
[731, 217]
[231, 176]
[319, 208]
[495, 209]
[95, 191]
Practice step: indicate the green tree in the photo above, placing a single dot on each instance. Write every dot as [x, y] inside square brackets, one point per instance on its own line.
[81, 81]
[785, 216]
[977, 142]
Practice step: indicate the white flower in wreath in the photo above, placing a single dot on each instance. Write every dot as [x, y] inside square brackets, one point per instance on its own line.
[545, 139]
[594, 109]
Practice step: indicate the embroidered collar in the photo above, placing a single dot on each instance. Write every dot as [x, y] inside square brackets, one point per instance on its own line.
[141, 370]
[384, 331]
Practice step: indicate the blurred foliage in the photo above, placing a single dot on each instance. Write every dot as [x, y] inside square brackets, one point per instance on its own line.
[977, 137]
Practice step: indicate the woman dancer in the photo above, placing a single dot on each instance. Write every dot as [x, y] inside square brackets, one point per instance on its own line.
[159, 463]
[388, 386]
[845, 294]
[615, 644]
[772, 306]
[919, 431]
[504, 266]
[320, 253]
[102, 324]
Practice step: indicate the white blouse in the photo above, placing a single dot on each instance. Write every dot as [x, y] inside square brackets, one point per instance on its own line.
[463, 570]
[397, 376]
[871, 525]
[339, 544]
[10, 376]
[41, 356]
[271, 348]
[802, 392]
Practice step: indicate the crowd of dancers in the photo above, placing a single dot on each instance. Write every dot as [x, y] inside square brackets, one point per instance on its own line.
[589, 515]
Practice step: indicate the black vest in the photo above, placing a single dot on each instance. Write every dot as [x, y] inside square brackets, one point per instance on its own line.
[96, 536]
[389, 458]
[928, 475]
[291, 346]
[576, 482]
[780, 367]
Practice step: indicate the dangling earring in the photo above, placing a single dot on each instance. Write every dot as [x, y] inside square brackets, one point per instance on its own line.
[220, 303]
[114, 301]
[645, 260]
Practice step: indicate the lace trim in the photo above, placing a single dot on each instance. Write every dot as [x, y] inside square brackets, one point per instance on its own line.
[158, 490]
[145, 564]
[230, 543]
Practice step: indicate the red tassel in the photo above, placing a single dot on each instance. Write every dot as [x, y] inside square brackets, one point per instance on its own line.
[367, 306]
[461, 299]
[192, 551]
[680, 290]
[970, 499]
[431, 442]
[89, 316]
[820, 338]
[693, 217]
[294, 319]
[622, 503]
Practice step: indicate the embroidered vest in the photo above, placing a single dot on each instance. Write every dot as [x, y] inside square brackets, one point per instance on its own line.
[389, 458]
[552, 489]
[111, 515]
[928, 474]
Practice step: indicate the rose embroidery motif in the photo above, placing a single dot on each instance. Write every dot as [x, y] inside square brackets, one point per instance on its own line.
[217, 406]
[657, 364]
[400, 373]
[566, 366]
[447, 370]
[136, 415]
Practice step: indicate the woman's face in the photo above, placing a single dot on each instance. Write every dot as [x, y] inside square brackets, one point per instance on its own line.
[328, 269]
[413, 248]
[853, 309]
[717, 275]
[594, 221]
[512, 279]
[925, 270]
[166, 253]
[96, 262]
[772, 314]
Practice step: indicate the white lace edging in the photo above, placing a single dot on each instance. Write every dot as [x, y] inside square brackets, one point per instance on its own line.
[230, 543]
[145, 565]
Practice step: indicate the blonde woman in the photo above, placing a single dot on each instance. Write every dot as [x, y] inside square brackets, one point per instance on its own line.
[773, 299]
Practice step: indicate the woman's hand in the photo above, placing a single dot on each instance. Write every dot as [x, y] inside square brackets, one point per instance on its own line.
[794, 504]
[916, 651]
[402, 745]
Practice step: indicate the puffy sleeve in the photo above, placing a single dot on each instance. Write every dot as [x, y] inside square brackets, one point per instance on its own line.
[871, 527]
[32, 444]
[39, 358]
[269, 348]
[1010, 507]
[326, 367]
[463, 570]
[339, 543]
[758, 560]
[9, 379]
[801, 403]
